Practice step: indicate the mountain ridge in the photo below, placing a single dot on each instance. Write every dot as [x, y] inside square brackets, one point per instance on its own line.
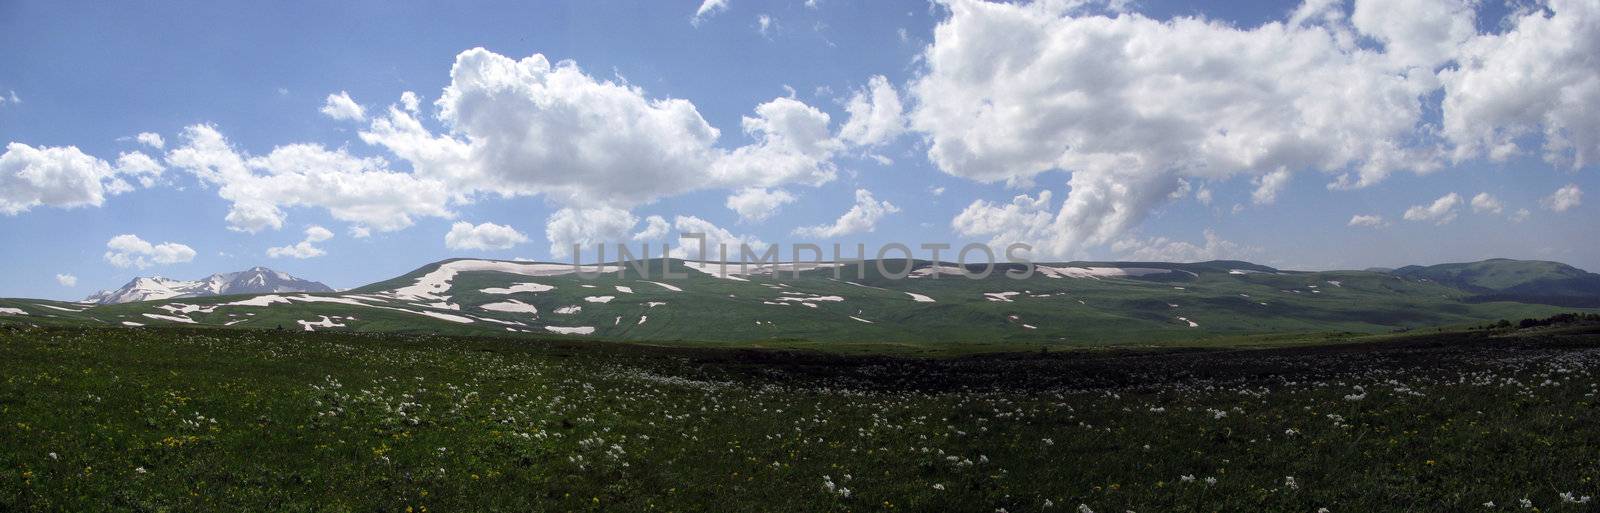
[255, 280]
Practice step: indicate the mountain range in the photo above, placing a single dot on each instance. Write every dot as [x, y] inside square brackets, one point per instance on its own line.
[255, 280]
[1071, 303]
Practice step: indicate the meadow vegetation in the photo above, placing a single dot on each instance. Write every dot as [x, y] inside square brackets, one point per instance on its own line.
[175, 419]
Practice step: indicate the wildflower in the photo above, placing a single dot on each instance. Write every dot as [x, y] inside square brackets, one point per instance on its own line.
[1525, 503]
[1049, 504]
[1187, 478]
[1489, 504]
[140, 470]
[938, 486]
[1084, 508]
[1211, 481]
[54, 457]
[1290, 432]
[1570, 498]
[1289, 482]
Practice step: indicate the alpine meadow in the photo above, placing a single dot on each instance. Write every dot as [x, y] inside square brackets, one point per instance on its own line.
[992, 256]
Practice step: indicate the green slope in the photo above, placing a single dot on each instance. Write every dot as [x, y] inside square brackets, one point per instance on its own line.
[1075, 304]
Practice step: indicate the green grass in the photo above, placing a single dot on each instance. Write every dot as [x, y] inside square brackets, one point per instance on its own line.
[207, 419]
[1066, 313]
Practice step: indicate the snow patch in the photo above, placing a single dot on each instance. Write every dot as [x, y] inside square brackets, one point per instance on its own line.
[599, 299]
[666, 286]
[519, 287]
[919, 297]
[325, 322]
[1097, 272]
[513, 306]
[1001, 297]
[12, 311]
[172, 318]
[576, 330]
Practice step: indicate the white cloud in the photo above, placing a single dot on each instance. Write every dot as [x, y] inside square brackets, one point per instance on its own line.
[1441, 211]
[151, 139]
[525, 127]
[131, 251]
[67, 280]
[655, 227]
[1162, 249]
[707, 9]
[715, 238]
[1564, 198]
[587, 227]
[876, 116]
[305, 248]
[862, 217]
[464, 235]
[1130, 104]
[340, 106]
[1268, 186]
[756, 204]
[362, 191]
[1522, 214]
[763, 24]
[410, 102]
[1484, 202]
[1372, 221]
[1416, 33]
[62, 177]
[1539, 77]
[1027, 219]
[13, 98]
[1099, 209]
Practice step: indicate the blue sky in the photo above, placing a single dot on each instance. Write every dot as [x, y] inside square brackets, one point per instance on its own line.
[92, 76]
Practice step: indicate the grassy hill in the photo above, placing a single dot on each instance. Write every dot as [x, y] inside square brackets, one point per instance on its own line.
[1074, 304]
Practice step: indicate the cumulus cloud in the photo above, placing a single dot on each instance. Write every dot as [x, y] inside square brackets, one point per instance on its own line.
[464, 235]
[1485, 202]
[1371, 221]
[1162, 249]
[67, 280]
[529, 126]
[1564, 198]
[1129, 104]
[1268, 186]
[358, 190]
[129, 250]
[655, 227]
[64, 177]
[1539, 77]
[341, 107]
[756, 204]
[305, 248]
[707, 9]
[1098, 210]
[1441, 211]
[715, 238]
[586, 227]
[876, 116]
[1416, 33]
[862, 217]
[151, 139]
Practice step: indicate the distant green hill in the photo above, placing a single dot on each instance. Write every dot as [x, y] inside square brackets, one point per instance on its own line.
[1083, 304]
[1528, 281]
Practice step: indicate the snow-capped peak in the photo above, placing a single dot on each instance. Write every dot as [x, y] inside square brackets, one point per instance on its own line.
[256, 280]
